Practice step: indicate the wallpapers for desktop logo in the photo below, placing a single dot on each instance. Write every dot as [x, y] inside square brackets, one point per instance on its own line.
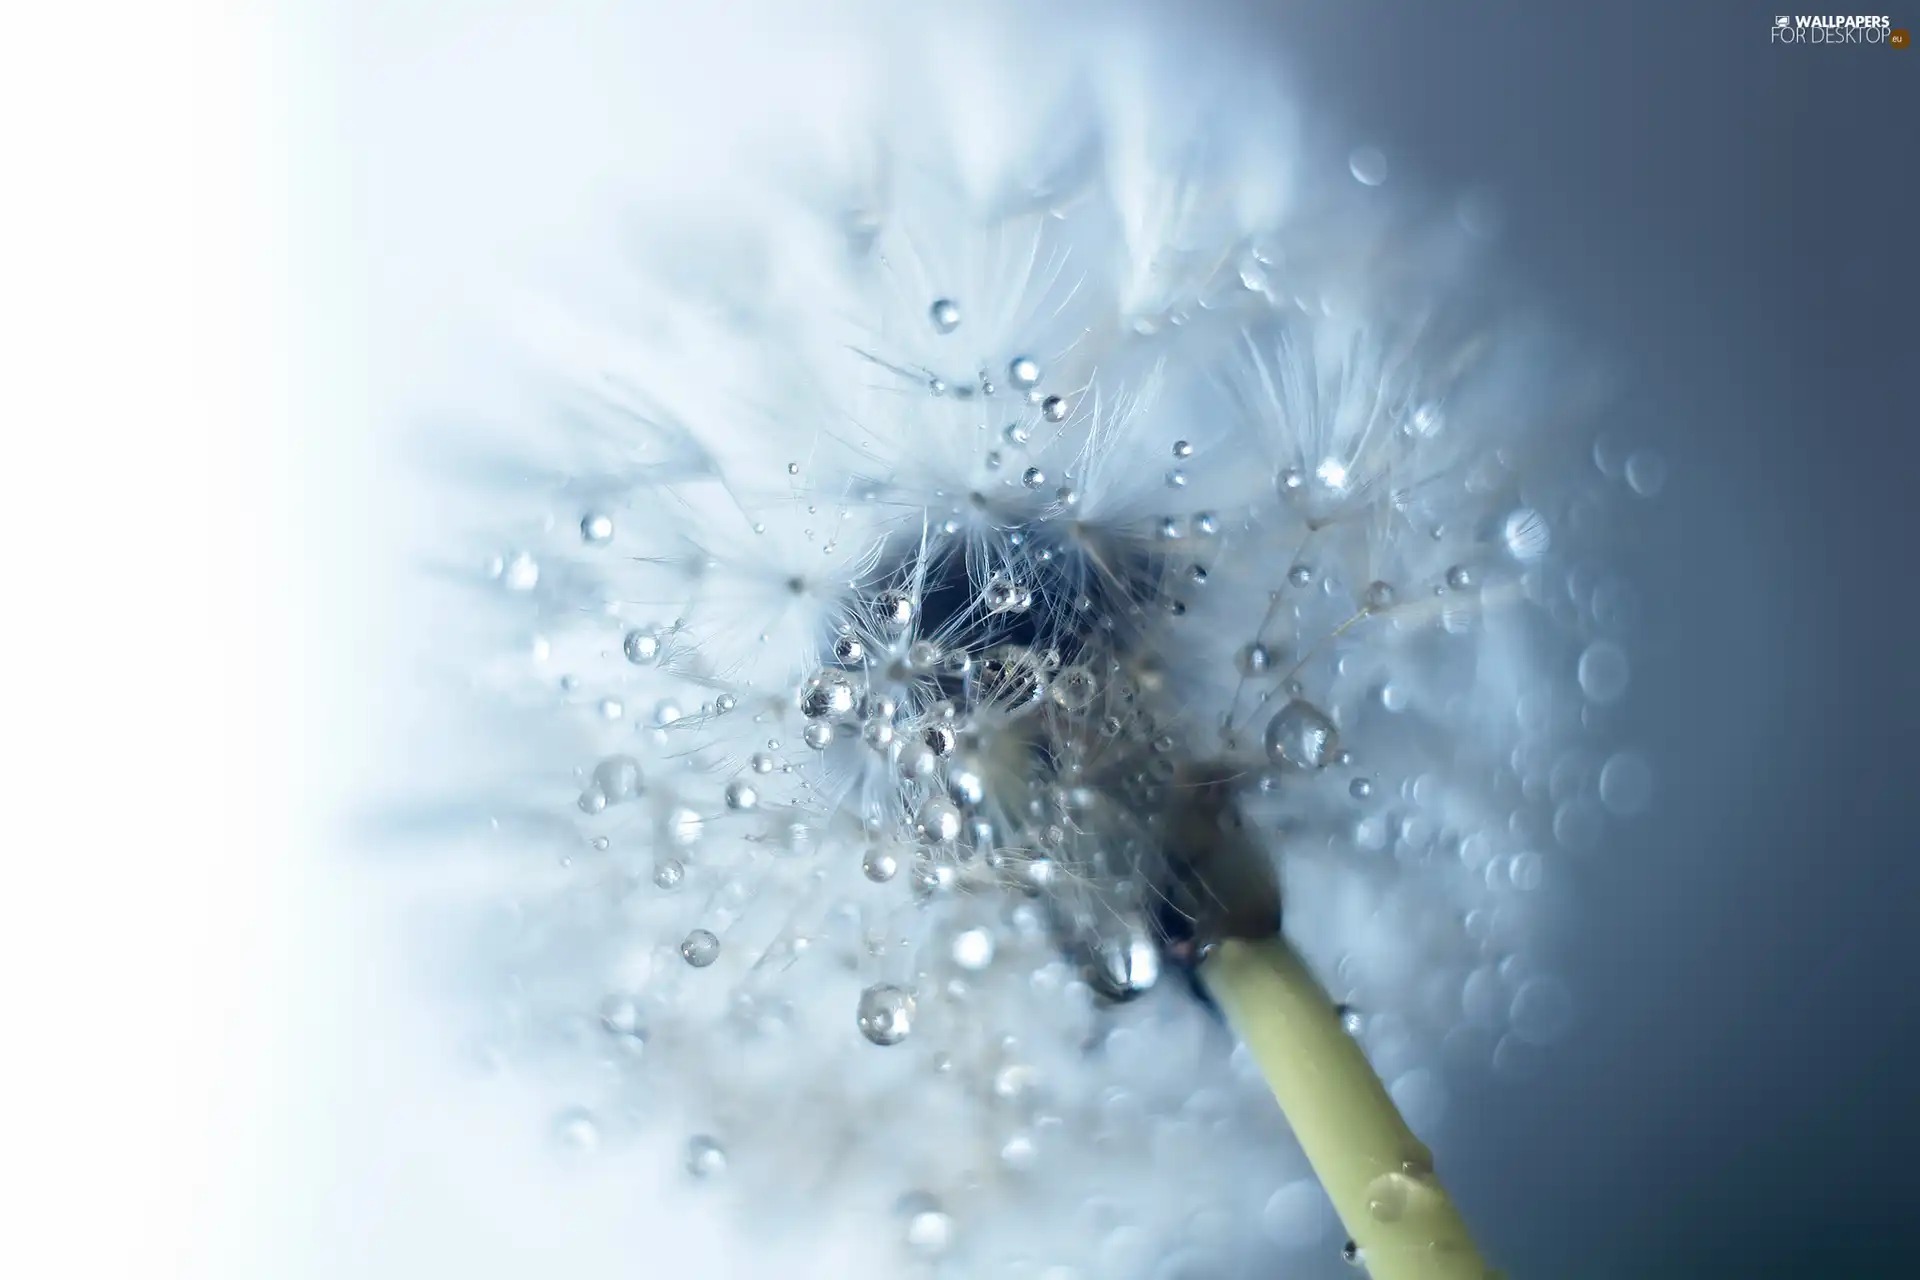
[1856, 29]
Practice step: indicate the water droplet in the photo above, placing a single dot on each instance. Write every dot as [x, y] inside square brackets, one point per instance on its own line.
[618, 778]
[1646, 473]
[706, 1158]
[1350, 1254]
[684, 827]
[700, 949]
[945, 315]
[741, 795]
[724, 703]
[1626, 783]
[938, 821]
[1379, 595]
[1074, 689]
[669, 874]
[1603, 671]
[577, 1129]
[1023, 372]
[973, 949]
[1016, 434]
[593, 800]
[1526, 871]
[848, 650]
[1205, 524]
[1526, 534]
[1033, 477]
[641, 646]
[1368, 166]
[818, 737]
[886, 1014]
[1360, 788]
[966, 785]
[1176, 479]
[522, 572]
[1460, 578]
[1301, 735]
[596, 529]
[879, 865]
[1054, 409]
[1351, 1020]
[827, 696]
[1003, 595]
[1254, 659]
[761, 762]
[612, 708]
[1300, 575]
[1182, 449]
[894, 608]
[930, 1232]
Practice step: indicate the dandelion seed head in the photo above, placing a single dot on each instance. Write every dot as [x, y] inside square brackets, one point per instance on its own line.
[887, 810]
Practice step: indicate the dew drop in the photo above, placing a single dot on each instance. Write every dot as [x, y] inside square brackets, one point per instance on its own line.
[1254, 659]
[895, 608]
[938, 821]
[1301, 736]
[1033, 477]
[706, 1158]
[945, 315]
[1360, 788]
[1603, 672]
[973, 949]
[1023, 372]
[669, 874]
[1526, 534]
[1182, 449]
[1054, 409]
[1460, 578]
[761, 762]
[879, 865]
[642, 647]
[593, 800]
[1301, 575]
[596, 529]
[1626, 784]
[818, 737]
[577, 1129]
[522, 572]
[885, 1014]
[828, 695]
[741, 795]
[700, 949]
[1646, 473]
[1379, 595]
[618, 778]
[1368, 165]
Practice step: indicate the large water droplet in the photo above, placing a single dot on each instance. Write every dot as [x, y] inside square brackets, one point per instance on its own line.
[741, 795]
[1300, 735]
[706, 1158]
[1603, 671]
[641, 646]
[700, 949]
[1526, 534]
[1368, 165]
[827, 696]
[938, 821]
[1626, 783]
[886, 1013]
[945, 315]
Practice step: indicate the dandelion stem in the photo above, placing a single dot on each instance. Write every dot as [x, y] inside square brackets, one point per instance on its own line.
[1378, 1175]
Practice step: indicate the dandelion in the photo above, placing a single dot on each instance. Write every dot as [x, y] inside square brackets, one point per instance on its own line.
[1072, 568]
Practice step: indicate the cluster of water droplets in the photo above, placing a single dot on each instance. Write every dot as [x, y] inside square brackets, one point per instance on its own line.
[887, 909]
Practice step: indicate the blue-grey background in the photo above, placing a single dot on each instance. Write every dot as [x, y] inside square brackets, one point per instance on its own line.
[1737, 222]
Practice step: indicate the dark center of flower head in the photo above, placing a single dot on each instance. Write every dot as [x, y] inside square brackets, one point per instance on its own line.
[1036, 721]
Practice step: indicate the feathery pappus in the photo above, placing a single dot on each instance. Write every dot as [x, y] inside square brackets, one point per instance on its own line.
[877, 578]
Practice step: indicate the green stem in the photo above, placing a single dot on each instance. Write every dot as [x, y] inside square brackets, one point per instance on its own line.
[1378, 1175]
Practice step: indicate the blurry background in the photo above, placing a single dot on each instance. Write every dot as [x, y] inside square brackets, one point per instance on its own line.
[1736, 221]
